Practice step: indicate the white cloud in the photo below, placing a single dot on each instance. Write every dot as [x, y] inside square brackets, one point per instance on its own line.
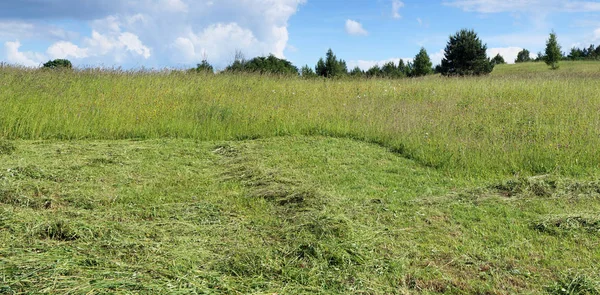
[169, 31]
[132, 43]
[436, 58]
[508, 53]
[66, 50]
[14, 56]
[355, 28]
[186, 48]
[596, 37]
[174, 6]
[100, 45]
[396, 5]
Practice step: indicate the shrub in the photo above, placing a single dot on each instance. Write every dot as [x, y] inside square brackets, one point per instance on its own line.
[263, 65]
[204, 67]
[523, 56]
[58, 64]
[498, 60]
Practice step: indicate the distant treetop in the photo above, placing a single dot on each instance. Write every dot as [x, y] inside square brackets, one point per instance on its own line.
[59, 64]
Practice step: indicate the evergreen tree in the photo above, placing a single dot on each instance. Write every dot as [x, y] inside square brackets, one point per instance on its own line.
[553, 53]
[331, 66]
[465, 54]
[335, 67]
[357, 72]
[575, 54]
[402, 69]
[390, 70]
[307, 72]
[540, 57]
[422, 64]
[321, 68]
[498, 60]
[374, 71]
[523, 56]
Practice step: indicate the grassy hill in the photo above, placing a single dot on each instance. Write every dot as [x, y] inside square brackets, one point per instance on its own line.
[170, 183]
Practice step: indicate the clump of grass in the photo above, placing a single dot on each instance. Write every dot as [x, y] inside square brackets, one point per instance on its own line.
[568, 224]
[58, 230]
[547, 186]
[14, 197]
[29, 171]
[575, 284]
[7, 147]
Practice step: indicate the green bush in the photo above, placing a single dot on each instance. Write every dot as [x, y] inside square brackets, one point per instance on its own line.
[59, 64]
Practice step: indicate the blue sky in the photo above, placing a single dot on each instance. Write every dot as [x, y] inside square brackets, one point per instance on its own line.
[180, 33]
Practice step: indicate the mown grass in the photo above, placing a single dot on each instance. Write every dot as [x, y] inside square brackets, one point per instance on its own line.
[497, 126]
[287, 215]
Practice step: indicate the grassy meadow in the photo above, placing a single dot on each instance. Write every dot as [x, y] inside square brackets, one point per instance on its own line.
[173, 183]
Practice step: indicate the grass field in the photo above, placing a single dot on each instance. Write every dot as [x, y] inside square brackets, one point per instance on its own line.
[148, 183]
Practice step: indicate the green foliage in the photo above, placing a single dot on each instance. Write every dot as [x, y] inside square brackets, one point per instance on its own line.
[374, 71]
[263, 65]
[390, 70]
[204, 67]
[404, 69]
[553, 53]
[540, 57]
[589, 53]
[422, 64]
[465, 54]
[498, 60]
[307, 72]
[357, 72]
[575, 284]
[331, 67]
[59, 64]
[523, 56]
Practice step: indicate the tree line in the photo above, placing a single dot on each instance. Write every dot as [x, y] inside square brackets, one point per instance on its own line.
[464, 54]
[587, 53]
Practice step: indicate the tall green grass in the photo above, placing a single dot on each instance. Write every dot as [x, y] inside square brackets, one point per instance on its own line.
[512, 122]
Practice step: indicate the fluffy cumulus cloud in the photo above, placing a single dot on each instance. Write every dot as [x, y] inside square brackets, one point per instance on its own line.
[28, 59]
[596, 37]
[157, 32]
[396, 5]
[355, 28]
